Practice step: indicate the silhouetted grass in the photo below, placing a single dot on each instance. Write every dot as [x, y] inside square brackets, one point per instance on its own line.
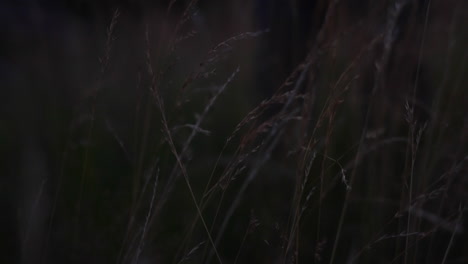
[191, 133]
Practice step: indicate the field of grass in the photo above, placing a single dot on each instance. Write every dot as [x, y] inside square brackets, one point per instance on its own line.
[234, 132]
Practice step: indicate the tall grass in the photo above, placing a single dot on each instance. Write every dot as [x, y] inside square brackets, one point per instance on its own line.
[182, 135]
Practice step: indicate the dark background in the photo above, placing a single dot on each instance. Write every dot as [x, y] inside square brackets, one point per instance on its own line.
[381, 93]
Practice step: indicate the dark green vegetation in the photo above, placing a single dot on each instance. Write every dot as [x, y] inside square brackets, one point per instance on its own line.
[235, 132]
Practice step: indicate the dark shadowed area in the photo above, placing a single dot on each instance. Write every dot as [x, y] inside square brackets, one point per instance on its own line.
[249, 131]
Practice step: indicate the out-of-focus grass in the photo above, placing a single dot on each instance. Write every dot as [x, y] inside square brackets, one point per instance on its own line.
[336, 134]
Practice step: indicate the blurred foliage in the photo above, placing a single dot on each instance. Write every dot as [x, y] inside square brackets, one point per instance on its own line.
[308, 131]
